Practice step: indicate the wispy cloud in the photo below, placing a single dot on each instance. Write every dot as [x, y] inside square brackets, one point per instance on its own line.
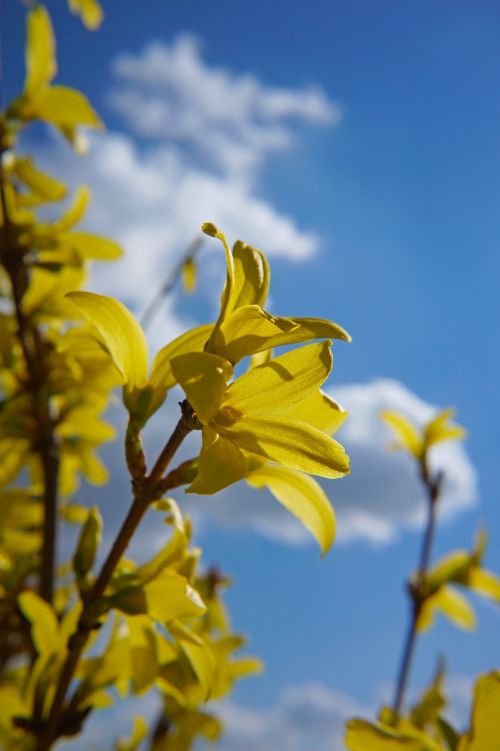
[227, 121]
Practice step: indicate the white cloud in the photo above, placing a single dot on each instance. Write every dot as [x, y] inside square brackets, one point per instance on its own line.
[305, 717]
[228, 121]
[207, 133]
[382, 496]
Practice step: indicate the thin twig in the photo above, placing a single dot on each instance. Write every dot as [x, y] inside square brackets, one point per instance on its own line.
[170, 282]
[145, 493]
[433, 487]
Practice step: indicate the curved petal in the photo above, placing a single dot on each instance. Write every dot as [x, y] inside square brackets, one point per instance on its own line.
[302, 496]
[252, 275]
[410, 438]
[250, 329]
[120, 333]
[41, 65]
[282, 382]
[320, 411]
[291, 443]
[229, 292]
[221, 463]
[204, 378]
[192, 341]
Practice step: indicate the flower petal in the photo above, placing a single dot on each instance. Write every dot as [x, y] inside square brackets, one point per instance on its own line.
[291, 443]
[229, 292]
[120, 333]
[320, 411]
[450, 603]
[282, 382]
[252, 275]
[250, 329]
[204, 378]
[41, 65]
[192, 341]
[302, 496]
[221, 463]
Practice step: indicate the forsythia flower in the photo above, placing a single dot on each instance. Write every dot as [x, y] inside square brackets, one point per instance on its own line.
[253, 415]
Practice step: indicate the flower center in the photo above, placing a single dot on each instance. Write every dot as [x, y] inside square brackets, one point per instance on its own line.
[227, 416]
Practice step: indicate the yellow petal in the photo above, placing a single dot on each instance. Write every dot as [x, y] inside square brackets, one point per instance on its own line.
[42, 185]
[63, 106]
[247, 330]
[188, 275]
[221, 463]
[439, 429]
[365, 736]
[229, 293]
[75, 212]
[41, 63]
[192, 341]
[291, 443]
[485, 583]
[406, 432]
[169, 596]
[282, 382]
[203, 377]
[120, 333]
[302, 496]
[320, 411]
[44, 625]
[91, 246]
[312, 328]
[89, 11]
[250, 329]
[484, 734]
[451, 604]
[252, 275]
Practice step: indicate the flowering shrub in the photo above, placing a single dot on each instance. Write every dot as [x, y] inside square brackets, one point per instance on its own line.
[73, 630]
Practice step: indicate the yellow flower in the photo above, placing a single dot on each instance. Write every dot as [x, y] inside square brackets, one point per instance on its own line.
[254, 415]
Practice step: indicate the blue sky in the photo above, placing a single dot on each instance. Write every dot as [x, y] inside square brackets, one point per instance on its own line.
[377, 201]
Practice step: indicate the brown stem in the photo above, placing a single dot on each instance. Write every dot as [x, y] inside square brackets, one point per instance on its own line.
[415, 587]
[170, 282]
[33, 349]
[145, 492]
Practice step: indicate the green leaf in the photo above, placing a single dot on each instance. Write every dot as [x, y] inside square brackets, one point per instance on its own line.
[41, 63]
[120, 333]
[88, 543]
[302, 496]
[44, 624]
